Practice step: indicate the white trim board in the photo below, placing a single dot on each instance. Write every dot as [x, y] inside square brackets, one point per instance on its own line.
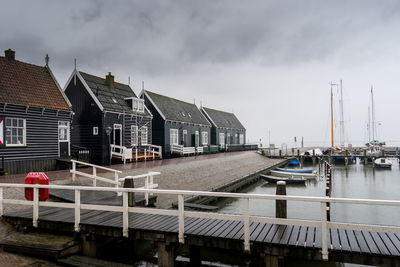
[75, 72]
[154, 104]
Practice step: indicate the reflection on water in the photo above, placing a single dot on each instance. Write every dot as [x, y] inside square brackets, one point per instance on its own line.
[356, 181]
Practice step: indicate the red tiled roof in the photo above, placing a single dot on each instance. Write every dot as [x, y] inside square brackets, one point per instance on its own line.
[27, 84]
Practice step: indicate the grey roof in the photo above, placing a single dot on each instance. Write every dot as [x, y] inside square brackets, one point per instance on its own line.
[223, 119]
[106, 95]
[177, 110]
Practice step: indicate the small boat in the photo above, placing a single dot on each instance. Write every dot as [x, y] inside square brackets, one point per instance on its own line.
[294, 175]
[294, 163]
[274, 179]
[295, 170]
[383, 163]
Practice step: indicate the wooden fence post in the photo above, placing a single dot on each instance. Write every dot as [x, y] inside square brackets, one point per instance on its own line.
[281, 205]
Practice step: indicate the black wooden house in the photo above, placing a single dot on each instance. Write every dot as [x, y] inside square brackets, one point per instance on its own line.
[108, 116]
[226, 131]
[178, 126]
[35, 116]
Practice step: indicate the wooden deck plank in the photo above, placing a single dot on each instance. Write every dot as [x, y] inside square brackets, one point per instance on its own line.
[279, 233]
[228, 229]
[286, 235]
[274, 229]
[214, 232]
[335, 240]
[220, 224]
[379, 243]
[352, 241]
[301, 240]
[310, 237]
[344, 243]
[395, 240]
[293, 237]
[205, 231]
[172, 226]
[235, 231]
[362, 242]
[223, 230]
[264, 232]
[197, 223]
[257, 231]
[373, 248]
[318, 238]
[389, 245]
[209, 223]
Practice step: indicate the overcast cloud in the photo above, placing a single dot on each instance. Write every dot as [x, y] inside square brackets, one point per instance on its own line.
[268, 61]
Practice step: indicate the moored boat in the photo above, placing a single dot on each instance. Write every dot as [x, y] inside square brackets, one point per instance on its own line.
[294, 163]
[383, 163]
[274, 179]
[294, 175]
[295, 170]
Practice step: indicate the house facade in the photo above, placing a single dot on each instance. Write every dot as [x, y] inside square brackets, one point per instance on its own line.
[176, 123]
[35, 117]
[108, 116]
[226, 129]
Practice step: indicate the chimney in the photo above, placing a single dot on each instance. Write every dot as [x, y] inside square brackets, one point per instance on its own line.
[10, 54]
[110, 80]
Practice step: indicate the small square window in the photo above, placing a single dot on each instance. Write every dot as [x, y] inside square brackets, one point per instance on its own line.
[95, 130]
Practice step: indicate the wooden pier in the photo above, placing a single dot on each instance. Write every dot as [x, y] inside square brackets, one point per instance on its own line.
[268, 237]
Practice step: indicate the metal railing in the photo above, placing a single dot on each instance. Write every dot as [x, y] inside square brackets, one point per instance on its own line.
[245, 217]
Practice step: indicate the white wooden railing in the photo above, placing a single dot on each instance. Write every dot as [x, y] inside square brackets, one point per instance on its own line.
[121, 151]
[94, 174]
[245, 217]
[148, 182]
[199, 149]
[153, 150]
[183, 150]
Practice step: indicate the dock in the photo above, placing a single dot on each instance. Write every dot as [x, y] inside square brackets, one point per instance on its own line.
[243, 233]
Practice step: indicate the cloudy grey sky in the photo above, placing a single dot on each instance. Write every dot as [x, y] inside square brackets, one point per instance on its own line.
[268, 61]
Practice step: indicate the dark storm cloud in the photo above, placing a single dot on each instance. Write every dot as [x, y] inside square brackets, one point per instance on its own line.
[164, 36]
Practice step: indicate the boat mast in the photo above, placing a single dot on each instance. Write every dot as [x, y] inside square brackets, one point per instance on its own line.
[373, 115]
[332, 112]
[341, 116]
[369, 124]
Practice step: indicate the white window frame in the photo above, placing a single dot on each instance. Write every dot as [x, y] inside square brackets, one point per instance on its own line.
[117, 127]
[144, 135]
[64, 127]
[184, 134]
[134, 135]
[222, 139]
[173, 136]
[95, 130]
[228, 138]
[241, 139]
[204, 138]
[17, 127]
[137, 104]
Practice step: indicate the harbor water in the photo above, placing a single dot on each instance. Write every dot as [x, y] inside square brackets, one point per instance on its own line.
[356, 181]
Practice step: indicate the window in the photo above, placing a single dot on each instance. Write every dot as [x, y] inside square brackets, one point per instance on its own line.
[143, 135]
[184, 135]
[222, 139]
[63, 131]
[137, 104]
[204, 138]
[241, 139]
[236, 138]
[134, 135]
[173, 136]
[95, 130]
[228, 138]
[15, 132]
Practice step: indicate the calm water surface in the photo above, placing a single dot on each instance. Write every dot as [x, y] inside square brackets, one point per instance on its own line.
[357, 181]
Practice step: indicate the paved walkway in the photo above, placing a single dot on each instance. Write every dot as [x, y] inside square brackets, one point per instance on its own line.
[203, 172]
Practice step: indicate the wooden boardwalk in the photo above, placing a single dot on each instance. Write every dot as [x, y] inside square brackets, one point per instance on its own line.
[261, 234]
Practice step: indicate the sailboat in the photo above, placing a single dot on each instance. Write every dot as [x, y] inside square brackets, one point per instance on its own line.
[339, 153]
[374, 147]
